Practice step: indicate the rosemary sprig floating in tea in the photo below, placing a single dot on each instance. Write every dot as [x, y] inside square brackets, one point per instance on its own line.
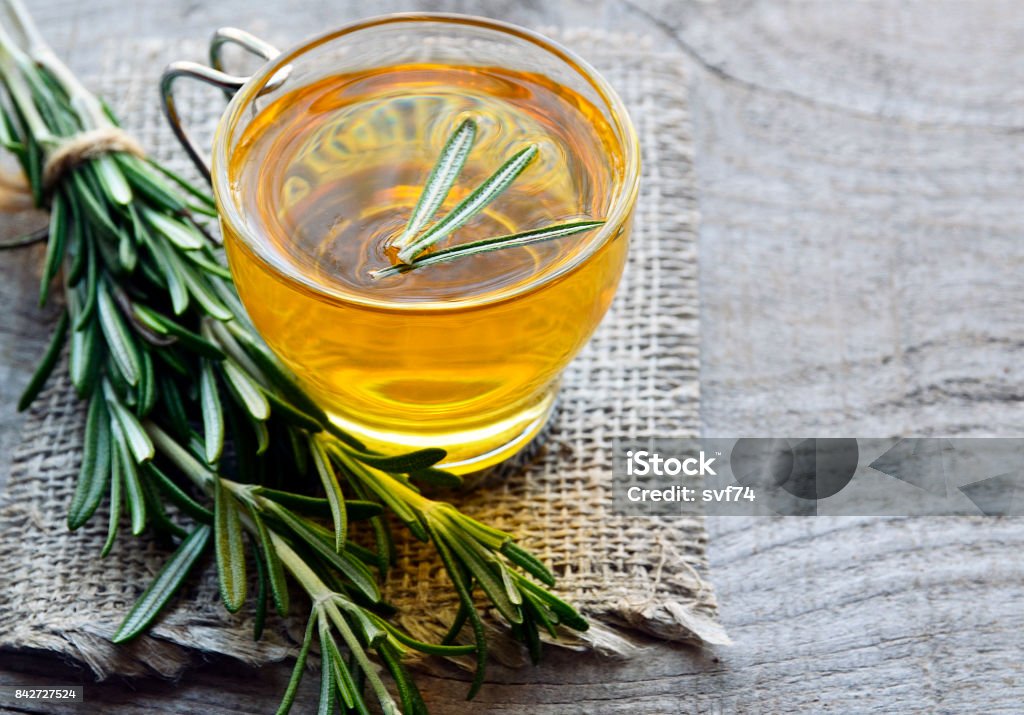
[415, 239]
[172, 371]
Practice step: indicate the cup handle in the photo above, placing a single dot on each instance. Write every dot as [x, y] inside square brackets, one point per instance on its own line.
[213, 75]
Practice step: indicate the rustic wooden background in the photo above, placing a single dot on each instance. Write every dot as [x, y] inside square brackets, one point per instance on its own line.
[861, 171]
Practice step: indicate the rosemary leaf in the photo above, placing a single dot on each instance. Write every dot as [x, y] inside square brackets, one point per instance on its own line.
[145, 184]
[359, 510]
[55, 246]
[412, 701]
[260, 617]
[147, 384]
[275, 569]
[46, 365]
[213, 414]
[185, 337]
[169, 268]
[83, 359]
[381, 532]
[328, 688]
[177, 495]
[514, 596]
[129, 473]
[439, 183]
[404, 512]
[127, 253]
[300, 666]
[229, 548]
[224, 337]
[170, 400]
[164, 587]
[201, 291]
[208, 264]
[528, 562]
[181, 182]
[542, 613]
[457, 623]
[114, 517]
[331, 655]
[89, 307]
[135, 436]
[281, 378]
[162, 524]
[76, 250]
[99, 215]
[515, 240]
[312, 506]
[292, 414]
[493, 538]
[566, 613]
[180, 234]
[94, 474]
[297, 444]
[119, 339]
[356, 509]
[112, 179]
[436, 477]
[246, 391]
[262, 435]
[372, 632]
[367, 556]
[529, 634]
[403, 463]
[333, 491]
[447, 651]
[472, 204]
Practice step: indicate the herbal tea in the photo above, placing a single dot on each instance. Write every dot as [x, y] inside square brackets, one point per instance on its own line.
[462, 354]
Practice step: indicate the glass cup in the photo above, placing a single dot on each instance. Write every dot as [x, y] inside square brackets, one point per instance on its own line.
[476, 375]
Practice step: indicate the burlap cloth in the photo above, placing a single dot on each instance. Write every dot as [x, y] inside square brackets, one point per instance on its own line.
[636, 378]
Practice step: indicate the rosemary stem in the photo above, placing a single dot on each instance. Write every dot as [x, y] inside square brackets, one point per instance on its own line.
[11, 71]
[23, 21]
[310, 582]
[83, 101]
[189, 465]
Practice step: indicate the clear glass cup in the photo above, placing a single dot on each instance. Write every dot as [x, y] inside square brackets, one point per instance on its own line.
[475, 375]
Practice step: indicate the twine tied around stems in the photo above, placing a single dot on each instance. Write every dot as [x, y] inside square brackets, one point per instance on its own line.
[82, 147]
[15, 195]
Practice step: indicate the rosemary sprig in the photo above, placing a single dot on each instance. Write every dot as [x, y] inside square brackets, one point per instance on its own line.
[172, 372]
[412, 244]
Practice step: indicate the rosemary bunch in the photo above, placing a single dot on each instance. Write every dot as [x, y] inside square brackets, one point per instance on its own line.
[172, 372]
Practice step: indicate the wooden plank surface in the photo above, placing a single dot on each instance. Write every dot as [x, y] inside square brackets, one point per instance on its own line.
[860, 169]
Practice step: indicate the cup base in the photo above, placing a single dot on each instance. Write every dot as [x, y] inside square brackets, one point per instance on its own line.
[470, 450]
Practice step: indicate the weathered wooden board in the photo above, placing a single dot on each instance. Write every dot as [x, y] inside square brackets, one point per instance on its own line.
[860, 168]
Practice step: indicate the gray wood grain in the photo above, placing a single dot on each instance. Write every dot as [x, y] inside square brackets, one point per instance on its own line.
[860, 169]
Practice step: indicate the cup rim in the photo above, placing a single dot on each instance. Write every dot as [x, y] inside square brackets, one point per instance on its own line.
[619, 118]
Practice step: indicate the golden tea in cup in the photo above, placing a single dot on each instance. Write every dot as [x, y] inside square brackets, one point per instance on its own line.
[317, 173]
